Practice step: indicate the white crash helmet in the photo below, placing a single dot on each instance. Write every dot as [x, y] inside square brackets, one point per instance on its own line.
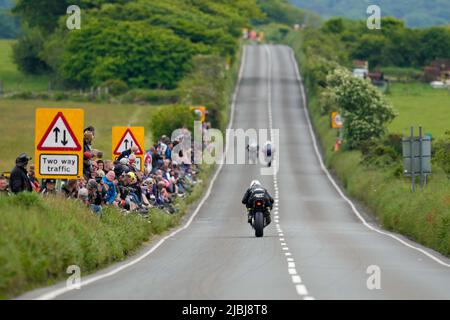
[255, 183]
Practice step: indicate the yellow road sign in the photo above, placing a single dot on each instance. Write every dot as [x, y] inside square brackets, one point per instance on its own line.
[336, 121]
[124, 138]
[200, 110]
[59, 143]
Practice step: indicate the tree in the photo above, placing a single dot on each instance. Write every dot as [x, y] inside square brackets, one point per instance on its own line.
[205, 86]
[26, 53]
[434, 43]
[363, 107]
[140, 55]
[168, 119]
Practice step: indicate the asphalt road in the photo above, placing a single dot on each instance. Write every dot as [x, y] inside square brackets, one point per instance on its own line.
[319, 248]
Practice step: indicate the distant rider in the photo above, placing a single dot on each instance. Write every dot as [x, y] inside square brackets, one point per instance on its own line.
[253, 149]
[268, 151]
[257, 191]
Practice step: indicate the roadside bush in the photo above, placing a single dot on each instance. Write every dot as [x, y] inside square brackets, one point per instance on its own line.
[116, 87]
[441, 152]
[140, 96]
[382, 152]
[27, 53]
[168, 119]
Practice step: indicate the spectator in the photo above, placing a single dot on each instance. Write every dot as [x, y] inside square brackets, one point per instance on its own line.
[108, 165]
[87, 162]
[101, 165]
[50, 187]
[83, 195]
[19, 180]
[34, 182]
[108, 183]
[4, 186]
[95, 200]
[127, 153]
[70, 189]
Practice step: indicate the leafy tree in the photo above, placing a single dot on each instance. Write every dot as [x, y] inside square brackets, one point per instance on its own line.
[371, 47]
[168, 119]
[434, 43]
[363, 107]
[140, 55]
[205, 86]
[281, 11]
[26, 53]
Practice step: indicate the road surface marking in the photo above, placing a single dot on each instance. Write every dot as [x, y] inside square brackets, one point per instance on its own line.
[301, 289]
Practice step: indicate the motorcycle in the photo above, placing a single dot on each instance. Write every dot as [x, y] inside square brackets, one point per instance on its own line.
[259, 219]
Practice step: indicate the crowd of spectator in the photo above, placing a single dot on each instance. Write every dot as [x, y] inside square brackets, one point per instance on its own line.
[120, 182]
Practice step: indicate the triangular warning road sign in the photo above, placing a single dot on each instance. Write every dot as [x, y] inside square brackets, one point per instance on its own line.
[59, 136]
[126, 142]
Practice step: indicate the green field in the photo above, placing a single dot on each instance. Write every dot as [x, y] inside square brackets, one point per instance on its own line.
[13, 79]
[419, 104]
[17, 129]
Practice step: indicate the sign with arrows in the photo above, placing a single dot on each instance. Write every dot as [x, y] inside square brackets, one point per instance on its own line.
[58, 141]
[59, 136]
[124, 138]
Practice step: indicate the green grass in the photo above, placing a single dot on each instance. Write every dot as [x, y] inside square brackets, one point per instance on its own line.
[12, 78]
[418, 104]
[17, 129]
[41, 237]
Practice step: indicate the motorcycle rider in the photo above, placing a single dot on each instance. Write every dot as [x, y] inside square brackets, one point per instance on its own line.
[252, 149]
[256, 190]
[269, 151]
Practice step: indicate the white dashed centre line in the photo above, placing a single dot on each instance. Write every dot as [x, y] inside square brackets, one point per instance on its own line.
[296, 279]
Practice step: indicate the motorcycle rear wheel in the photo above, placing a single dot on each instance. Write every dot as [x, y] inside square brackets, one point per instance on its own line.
[258, 224]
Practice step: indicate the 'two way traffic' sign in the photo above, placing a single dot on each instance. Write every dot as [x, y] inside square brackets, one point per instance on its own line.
[58, 143]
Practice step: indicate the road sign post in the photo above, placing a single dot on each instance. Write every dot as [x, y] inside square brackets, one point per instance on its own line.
[124, 138]
[58, 143]
[417, 157]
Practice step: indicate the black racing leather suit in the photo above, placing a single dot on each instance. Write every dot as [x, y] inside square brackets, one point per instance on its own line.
[261, 194]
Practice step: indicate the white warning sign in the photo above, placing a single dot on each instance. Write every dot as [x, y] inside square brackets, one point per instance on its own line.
[59, 136]
[57, 165]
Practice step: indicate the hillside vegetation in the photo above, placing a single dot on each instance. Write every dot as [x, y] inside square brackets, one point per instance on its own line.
[417, 13]
[144, 43]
